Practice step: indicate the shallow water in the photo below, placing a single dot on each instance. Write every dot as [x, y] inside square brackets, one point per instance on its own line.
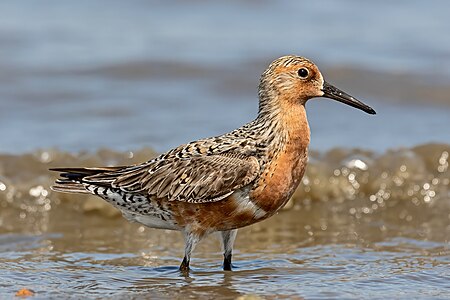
[361, 223]
[293, 254]
[345, 258]
[371, 218]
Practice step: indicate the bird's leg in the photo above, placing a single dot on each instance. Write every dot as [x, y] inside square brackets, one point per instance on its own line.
[228, 238]
[191, 241]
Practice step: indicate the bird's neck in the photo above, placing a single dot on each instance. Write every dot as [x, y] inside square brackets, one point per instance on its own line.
[283, 123]
[287, 136]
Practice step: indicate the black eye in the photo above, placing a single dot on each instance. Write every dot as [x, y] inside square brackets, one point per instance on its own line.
[303, 73]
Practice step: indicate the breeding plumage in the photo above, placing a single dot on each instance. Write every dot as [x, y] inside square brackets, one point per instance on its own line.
[226, 182]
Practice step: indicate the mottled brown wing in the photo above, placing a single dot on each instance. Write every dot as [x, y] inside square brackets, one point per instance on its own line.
[197, 179]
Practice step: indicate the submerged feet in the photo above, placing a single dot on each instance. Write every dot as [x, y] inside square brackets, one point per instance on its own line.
[227, 262]
[184, 267]
[227, 266]
[191, 241]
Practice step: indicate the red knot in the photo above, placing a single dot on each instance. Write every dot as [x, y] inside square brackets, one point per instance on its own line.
[225, 182]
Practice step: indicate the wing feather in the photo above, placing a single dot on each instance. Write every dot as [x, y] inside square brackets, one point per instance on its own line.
[197, 179]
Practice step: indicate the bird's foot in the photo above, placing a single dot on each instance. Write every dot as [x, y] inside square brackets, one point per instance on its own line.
[184, 267]
[227, 266]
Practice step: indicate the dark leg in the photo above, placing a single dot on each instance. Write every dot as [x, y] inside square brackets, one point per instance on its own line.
[190, 241]
[227, 262]
[228, 238]
[184, 267]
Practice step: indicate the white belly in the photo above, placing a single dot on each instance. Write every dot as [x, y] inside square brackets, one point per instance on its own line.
[152, 221]
[137, 208]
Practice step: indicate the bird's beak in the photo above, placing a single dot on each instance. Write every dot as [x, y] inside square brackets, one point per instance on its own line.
[332, 92]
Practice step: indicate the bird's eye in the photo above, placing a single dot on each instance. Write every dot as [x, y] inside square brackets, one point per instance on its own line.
[303, 73]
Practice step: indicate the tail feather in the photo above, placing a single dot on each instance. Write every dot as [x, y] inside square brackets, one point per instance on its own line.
[71, 180]
[69, 187]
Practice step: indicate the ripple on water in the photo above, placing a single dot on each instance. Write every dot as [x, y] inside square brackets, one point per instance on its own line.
[394, 265]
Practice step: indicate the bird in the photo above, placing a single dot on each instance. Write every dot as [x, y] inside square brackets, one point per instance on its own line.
[225, 182]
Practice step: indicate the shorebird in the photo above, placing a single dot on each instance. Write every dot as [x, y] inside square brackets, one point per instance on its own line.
[222, 183]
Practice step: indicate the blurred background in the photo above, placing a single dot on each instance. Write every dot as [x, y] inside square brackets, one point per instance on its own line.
[88, 74]
[86, 83]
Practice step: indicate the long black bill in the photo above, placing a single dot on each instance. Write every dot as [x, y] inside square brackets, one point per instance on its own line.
[332, 92]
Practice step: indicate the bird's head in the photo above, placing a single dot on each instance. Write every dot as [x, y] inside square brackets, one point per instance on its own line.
[296, 79]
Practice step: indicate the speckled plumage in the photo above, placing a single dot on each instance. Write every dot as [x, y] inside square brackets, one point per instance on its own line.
[225, 182]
